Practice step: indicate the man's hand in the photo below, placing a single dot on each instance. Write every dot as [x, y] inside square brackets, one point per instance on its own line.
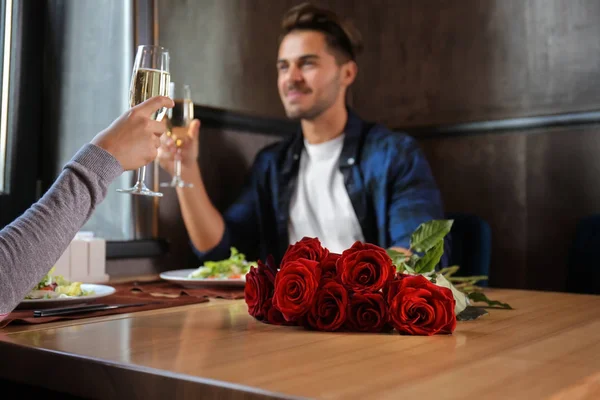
[188, 152]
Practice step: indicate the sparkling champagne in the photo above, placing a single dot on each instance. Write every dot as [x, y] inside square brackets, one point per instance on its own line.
[148, 83]
[180, 117]
[150, 77]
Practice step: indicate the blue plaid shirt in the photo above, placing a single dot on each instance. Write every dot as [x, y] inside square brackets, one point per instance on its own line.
[387, 177]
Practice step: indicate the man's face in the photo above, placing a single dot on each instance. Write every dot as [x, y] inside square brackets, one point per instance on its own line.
[309, 79]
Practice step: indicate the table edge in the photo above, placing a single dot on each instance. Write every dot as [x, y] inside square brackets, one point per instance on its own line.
[69, 373]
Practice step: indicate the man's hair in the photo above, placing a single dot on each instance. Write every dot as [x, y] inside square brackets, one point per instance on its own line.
[341, 36]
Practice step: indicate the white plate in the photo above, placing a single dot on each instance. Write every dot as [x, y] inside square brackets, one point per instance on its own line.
[180, 277]
[99, 291]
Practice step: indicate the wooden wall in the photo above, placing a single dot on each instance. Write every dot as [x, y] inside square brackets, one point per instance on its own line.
[531, 186]
[436, 63]
[426, 62]
[443, 62]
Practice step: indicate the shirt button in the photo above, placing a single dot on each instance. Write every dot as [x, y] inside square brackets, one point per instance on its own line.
[351, 161]
[296, 156]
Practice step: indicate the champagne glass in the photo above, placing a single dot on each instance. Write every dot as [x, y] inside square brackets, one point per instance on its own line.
[150, 77]
[179, 119]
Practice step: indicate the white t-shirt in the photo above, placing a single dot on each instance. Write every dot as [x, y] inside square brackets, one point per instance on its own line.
[320, 206]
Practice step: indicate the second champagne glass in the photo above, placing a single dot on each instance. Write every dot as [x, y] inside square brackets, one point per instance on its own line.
[179, 119]
[150, 77]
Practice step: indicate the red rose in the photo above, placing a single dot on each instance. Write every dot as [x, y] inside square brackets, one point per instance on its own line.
[273, 315]
[391, 289]
[365, 267]
[367, 312]
[257, 290]
[328, 312]
[309, 248]
[419, 307]
[269, 268]
[296, 284]
[328, 266]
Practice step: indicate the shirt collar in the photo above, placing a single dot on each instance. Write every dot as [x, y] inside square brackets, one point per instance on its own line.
[349, 155]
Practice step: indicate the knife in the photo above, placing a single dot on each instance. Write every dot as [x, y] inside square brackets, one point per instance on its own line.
[82, 308]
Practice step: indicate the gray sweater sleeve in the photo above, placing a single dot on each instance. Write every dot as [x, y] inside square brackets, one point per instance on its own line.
[31, 244]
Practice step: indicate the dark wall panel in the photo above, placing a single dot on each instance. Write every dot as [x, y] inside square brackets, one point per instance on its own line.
[442, 62]
[532, 187]
[562, 186]
[426, 62]
[486, 175]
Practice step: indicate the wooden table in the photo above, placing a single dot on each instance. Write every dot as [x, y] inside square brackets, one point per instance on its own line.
[548, 347]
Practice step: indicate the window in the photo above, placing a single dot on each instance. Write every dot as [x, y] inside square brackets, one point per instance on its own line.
[5, 46]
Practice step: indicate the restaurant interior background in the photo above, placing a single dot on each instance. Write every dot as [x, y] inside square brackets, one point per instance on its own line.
[502, 95]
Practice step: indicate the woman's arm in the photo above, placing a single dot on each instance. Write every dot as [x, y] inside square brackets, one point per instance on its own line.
[31, 244]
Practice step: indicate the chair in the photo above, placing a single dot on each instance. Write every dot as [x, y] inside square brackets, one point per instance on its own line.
[470, 244]
[583, 274]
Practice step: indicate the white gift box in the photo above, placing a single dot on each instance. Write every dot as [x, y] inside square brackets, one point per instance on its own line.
[84, 260]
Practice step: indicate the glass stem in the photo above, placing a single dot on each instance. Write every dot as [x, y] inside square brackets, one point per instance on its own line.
[178, 165]
[141, 173]
[178, 168]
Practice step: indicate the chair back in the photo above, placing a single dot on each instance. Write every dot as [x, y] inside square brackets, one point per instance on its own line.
[471, 245]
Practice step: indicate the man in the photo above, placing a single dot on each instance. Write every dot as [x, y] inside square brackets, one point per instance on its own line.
[340, 179]
[30, 245]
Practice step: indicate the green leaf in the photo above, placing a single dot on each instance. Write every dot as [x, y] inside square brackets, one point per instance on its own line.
[429, 234]
[413, 260]
[403, 262]
[404, 267]
[468, 288]
[396, 256]
[467, 284]
[479, 296]
[428, 262]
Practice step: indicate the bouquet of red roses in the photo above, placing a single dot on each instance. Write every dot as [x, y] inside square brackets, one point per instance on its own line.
[360, 290]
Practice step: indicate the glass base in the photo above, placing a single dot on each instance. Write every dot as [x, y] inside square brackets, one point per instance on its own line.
[140, 190]
[176, 182]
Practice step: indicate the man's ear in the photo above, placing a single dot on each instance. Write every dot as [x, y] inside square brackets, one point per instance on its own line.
[349, 72]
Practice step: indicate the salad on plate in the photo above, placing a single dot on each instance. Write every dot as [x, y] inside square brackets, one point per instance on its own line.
[56, 287]
[234, 267]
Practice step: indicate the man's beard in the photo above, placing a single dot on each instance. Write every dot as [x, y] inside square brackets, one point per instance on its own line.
[310, 114]
[322, 104]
